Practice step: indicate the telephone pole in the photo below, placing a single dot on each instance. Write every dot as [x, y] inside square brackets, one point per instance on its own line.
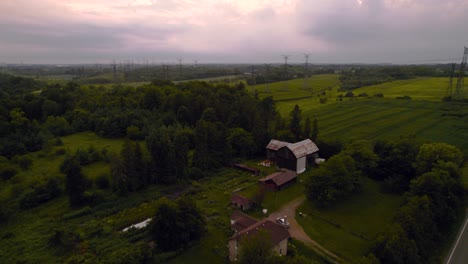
[306, 71]
[286, 57]
[180, 67]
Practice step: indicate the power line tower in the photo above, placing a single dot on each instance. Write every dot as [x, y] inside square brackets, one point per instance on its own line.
[265, 79]
[306, 71]
[458, 95]
[449, 89]
[286, 57]
[180, 67]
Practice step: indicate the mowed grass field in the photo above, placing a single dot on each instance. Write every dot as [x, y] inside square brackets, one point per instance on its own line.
[349, 228]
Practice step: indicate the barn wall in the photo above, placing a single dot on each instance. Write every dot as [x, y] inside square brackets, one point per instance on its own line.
[301, 165]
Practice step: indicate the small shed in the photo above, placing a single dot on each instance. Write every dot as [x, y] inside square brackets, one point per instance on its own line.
[279, 180]
[244, 167]
[241, 202]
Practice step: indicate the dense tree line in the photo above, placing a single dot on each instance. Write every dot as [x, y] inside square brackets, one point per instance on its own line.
[433, 203]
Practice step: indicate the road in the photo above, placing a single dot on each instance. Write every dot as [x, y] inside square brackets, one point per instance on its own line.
[297, 231]
[459, 252]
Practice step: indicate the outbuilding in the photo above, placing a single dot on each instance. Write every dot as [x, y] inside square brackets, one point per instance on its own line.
[292, 156]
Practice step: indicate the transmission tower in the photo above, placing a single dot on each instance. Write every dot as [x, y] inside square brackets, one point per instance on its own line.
[180, 67]
[306, 70]
[265, 79]
[458, 95]
[286, 57]
[449, 89]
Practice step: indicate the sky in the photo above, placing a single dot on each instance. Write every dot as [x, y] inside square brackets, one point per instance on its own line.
[233, 31]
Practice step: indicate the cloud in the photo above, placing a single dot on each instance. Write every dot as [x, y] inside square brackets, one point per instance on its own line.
[233, 30]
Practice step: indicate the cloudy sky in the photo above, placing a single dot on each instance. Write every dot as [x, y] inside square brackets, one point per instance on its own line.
[332, 31]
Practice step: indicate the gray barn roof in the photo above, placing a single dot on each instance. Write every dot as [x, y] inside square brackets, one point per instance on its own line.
[303, 148]
[299, 149]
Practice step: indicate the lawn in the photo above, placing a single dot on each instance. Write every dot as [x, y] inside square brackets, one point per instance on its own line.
[348, 228]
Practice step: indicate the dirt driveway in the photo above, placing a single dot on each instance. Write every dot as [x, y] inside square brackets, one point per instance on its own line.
[296, 230]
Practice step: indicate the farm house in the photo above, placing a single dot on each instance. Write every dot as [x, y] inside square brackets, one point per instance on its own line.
[292, 156]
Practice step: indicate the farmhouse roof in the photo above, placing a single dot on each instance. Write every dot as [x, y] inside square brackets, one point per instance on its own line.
[240, 221]
[239, 199]
[276, 144]
[303, 148]
[276, 232]
[280, 177]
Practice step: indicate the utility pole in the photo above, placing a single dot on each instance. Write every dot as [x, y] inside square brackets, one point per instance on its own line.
[286, 57]
[460, 82]
[306, 71]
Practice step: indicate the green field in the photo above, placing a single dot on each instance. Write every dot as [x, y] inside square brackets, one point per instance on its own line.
[431, 89]
[349, 228]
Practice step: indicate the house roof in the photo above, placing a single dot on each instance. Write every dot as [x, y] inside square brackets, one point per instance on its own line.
[276, 232]
[276, 144]
[239, 199]
[303, 148]
[280, 177]
[240, 221]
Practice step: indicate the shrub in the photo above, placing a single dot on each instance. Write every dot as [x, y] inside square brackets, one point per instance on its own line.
[41, 193]
[25, 162]
[60, 152]
[323, 100]
[404, 97]
[102, 181]
[379, 95]
[8, 172]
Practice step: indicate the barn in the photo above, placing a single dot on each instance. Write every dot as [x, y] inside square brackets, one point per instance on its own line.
[292, 156]
[279, 180]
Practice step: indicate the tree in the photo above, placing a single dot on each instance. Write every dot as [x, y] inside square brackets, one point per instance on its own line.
[75, 182]
[176, 224]
[394, 246]
[307, 129]
[295, 125]
[256, 248]
[119, 179]
[315, 130]
[432, 153]
[363, 154]
[241, 142]
[333, 180]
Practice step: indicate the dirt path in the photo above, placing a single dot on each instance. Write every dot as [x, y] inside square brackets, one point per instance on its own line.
[297, 231]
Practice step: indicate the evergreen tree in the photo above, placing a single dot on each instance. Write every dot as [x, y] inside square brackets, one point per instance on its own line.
[307, 128]
[75, 182]
[315, 130]
[295, 125]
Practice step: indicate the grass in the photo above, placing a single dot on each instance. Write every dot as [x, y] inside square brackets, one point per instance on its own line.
[430, 89]
[464, 176]
[390, 118]
[348, 228]
[297, 88]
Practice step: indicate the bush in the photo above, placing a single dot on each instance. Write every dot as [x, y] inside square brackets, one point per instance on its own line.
[379, 95]
[41, 193]
[60, 152]
[323, 100]
[349, 94]
[404, 97]
[102, 181]
[7, 173]
[25, 162]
